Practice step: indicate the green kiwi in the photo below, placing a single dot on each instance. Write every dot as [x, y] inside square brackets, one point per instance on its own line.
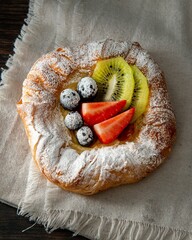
[114, 78]
[141, 93]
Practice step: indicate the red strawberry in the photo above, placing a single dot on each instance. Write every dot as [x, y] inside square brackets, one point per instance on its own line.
[108, 130]
[97, 112]
[127, 133]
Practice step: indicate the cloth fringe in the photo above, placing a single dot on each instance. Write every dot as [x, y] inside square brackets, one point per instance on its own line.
[102, 228]
[86, 225]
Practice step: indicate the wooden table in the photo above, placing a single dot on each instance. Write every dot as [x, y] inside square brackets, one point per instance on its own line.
[12, 15]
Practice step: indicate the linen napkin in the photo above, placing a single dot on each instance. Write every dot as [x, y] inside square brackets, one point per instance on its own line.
[160, 206]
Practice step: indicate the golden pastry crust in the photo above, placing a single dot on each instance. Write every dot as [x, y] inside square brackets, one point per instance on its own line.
[94, 169]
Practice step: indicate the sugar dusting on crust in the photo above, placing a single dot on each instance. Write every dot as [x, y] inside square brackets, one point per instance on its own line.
[112, 48]
[91, 170]
[108, 160]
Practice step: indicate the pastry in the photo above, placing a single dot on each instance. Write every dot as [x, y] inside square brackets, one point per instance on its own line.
[137, 151]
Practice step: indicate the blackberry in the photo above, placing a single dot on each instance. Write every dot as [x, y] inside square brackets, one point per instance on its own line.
[87, 88]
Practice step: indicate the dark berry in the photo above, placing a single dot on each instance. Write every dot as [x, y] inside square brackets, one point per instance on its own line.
[87, 88]
[73, 120]
[69, 99]
[85, 136]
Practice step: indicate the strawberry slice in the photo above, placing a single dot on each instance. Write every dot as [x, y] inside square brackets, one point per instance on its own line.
[96, 112]
[108, 130]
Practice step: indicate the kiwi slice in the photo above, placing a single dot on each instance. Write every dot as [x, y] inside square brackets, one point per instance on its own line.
[141, 93]
[114, 78]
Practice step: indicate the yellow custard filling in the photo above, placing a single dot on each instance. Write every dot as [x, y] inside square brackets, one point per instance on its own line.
[72, 82]
[129, 134]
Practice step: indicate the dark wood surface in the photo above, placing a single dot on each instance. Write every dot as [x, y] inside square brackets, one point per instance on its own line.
[12, 15]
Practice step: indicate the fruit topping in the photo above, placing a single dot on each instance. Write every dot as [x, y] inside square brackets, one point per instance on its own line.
[108, 130]
[128, 133]
[85, 136]
[141, 93]
[69, 99]
[87, 88]
[114, 78]
[96, 112]
[117, 87]
[73, 120]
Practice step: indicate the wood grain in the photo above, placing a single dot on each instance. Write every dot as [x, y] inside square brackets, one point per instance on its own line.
[12, 225]
[12, 15]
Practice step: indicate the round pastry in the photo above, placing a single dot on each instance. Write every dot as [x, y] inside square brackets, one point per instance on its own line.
[88, 170]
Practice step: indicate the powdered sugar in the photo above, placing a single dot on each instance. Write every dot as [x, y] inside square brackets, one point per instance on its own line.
[85, 136]
[69, 99]
[105, 162]
[88, 54]
[112, 48]
[87, 87]
[97, 168]
[73, 120]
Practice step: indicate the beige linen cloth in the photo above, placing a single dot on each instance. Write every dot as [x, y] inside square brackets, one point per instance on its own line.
[160, 206]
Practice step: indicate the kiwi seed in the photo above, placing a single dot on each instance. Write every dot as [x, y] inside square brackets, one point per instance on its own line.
[114, 78]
